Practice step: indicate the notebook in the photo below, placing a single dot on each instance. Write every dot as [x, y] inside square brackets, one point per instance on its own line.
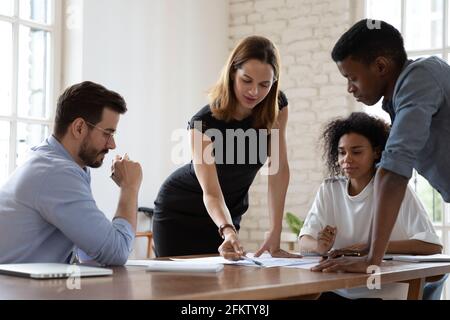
[426, 258]
[52, 270]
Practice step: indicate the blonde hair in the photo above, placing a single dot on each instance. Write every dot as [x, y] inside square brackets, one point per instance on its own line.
[222, 98]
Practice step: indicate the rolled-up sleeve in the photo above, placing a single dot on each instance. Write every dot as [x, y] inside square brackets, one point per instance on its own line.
[416, 101]
[65, 201]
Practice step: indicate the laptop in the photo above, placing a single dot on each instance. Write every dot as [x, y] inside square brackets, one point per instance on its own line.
[52, 270]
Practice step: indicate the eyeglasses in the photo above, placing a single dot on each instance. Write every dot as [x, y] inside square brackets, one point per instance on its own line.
[107, 134]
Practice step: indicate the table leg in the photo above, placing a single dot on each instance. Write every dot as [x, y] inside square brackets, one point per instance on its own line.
[415, 290]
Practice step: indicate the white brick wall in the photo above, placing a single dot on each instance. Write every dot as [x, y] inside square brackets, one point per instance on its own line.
[305, 32]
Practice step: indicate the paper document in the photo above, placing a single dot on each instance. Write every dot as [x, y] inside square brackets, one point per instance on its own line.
[176, 266]
[265, 259]
[309, 263]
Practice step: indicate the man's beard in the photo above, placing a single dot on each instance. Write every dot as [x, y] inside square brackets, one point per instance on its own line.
[89, 155]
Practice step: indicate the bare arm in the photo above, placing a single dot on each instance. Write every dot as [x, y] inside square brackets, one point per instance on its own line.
[389, 192]
[321, 245]
[410, 246]
[206, 172]
[307, 244]
[413, 247]
[278, 181]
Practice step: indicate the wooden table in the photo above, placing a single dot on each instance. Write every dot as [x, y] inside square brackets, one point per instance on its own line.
[234, 282]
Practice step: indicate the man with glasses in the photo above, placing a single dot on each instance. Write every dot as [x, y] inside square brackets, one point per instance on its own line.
[46, 206]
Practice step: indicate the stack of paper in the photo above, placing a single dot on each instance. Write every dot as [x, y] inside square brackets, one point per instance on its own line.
[215, 264]
[265, 260]
[176, 266]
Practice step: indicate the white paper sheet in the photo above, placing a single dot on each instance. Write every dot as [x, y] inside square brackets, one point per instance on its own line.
[176, 266]
[266, 259]
[306, 266]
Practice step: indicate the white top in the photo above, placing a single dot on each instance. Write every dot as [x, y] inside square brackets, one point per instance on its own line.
[352, 215]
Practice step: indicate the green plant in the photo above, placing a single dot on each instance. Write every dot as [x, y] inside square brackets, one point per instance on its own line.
[294, 222]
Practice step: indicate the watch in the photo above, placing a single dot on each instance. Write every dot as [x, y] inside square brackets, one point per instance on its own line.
[226, 225]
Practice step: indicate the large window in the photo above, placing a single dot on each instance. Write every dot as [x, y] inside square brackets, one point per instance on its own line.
[426, 31]
[28, 39]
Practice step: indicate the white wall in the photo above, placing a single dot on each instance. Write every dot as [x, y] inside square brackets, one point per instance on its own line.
[162, 56]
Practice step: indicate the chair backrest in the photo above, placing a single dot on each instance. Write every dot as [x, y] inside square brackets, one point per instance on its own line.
[147, 230]
[148, 212]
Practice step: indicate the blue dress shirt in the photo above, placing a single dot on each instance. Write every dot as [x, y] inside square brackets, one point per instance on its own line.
[420, 114]
[47, 208]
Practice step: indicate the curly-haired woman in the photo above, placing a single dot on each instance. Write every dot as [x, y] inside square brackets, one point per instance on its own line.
[341, 215]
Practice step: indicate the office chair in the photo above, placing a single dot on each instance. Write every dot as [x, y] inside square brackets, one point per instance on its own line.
[148, 212]
[433, 287]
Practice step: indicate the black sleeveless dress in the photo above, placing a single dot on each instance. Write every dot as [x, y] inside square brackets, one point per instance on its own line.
[181, 223]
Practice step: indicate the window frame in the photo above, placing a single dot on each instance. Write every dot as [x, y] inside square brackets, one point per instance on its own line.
[54, 28]
[444, 225]
[445, 50]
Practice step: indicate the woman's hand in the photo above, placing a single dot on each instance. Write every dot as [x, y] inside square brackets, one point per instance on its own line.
[231, 247]
[358, 249]
[272, 244]
[325, 239]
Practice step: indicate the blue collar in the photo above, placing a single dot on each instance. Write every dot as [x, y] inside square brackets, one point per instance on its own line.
[59, 148]
[387, 104]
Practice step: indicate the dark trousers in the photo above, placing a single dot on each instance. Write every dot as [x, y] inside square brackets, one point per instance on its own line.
[433, 290]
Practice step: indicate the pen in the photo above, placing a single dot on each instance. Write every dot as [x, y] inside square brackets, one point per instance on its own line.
[352, 254]
[347, 254]
[251, 260]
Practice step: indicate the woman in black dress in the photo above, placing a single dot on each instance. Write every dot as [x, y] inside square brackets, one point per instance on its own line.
[199, 207]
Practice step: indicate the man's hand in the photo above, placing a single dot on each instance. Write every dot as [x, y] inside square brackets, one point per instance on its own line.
[344, 264]
[126, 173]
[325, 239]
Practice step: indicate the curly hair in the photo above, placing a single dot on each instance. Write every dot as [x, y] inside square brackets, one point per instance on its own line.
[374, 129]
